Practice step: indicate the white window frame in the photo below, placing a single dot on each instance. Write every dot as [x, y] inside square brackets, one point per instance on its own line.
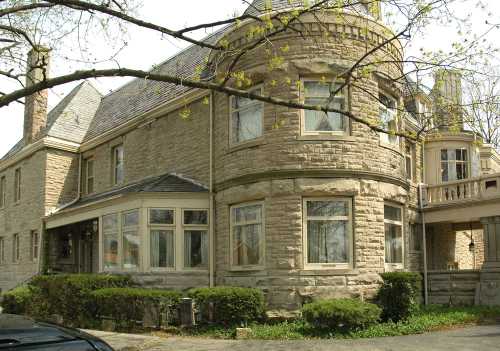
[139, 236]
[115, 164]
[17, 185]
[466, 163]
[34, 245]
[16, 252]
[88, 177]
[166, 227]
[395, 266]
[410, 155]
[3, 191]
[119, 242]
[262, 249]
[385, 138]
[2, 250]
[195, 227]
[349, 219]
[259, 89]
[345, 107]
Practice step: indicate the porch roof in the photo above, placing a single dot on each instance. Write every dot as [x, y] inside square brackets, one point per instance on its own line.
[166, 183]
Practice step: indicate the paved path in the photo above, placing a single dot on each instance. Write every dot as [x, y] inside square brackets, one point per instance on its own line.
[480, 338]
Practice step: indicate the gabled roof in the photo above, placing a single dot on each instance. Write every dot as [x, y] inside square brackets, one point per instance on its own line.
[166, 183]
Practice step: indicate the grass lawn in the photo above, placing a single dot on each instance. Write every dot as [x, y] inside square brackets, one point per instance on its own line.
[430, 318]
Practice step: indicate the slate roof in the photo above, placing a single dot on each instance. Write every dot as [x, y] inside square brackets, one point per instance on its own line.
[258, 7]
[166, 183]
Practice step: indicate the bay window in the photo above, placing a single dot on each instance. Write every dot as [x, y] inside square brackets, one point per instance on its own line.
[393, 224]
[162, 233]
[195, 228]
[131, 239]
[328, 232]
[247, 235]
[110, 234]
[388, 119]
[246, 120]
[319, 93]
[454, 164]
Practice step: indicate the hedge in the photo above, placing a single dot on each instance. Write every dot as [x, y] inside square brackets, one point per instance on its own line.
[126, 306]
[341, 314]
[231, 305]
[400, 295]
[17, 301]
[68, 295]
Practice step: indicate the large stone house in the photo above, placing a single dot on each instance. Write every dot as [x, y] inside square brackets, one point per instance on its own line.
[238, 192]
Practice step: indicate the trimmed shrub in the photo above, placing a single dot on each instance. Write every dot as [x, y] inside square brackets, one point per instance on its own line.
[126, 306]
[17, 301]
[341, 314]
[399, 296]
[68, 295]
[231, 305]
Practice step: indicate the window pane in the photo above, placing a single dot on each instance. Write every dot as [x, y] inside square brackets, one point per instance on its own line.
[195, 249]
[247, 244]
[444, 171]
[327, 241]
[162, 248]
[110, 223]
[392, 213]
[130, 219]
[110, 251]
[247, 123]
[408, 168]
[118, 164]
[90, 185]
[327, 208]
[251, 213]
[90, 168]
[131, 246]
[196, 217]
[318, 94]
[161, 216]
[416, 237]
[393, 244]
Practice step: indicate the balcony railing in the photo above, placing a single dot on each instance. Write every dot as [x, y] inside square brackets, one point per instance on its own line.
[484, 187]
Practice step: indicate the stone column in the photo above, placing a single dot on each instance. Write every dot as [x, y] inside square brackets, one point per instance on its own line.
[489, 289]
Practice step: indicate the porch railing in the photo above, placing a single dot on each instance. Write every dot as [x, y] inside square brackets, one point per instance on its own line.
[484, 187]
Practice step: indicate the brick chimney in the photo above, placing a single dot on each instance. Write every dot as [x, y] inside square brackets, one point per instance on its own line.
[35, 109]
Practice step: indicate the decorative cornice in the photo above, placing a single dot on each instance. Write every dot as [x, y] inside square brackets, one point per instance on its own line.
[46, 142]
[310, 173]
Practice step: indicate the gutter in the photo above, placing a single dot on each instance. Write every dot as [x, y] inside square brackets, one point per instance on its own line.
[424, 234]
[212, 195]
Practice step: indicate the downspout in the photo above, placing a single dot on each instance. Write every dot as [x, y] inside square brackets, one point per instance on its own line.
[424, 235]
[212, 195]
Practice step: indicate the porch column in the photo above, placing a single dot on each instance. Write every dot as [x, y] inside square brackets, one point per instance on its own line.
[491, 242]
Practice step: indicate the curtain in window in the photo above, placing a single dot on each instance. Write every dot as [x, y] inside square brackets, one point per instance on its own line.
[162, 248]
[195, 249]
[131, 244]
[247, 245]
[393, 244]
[318, 94]
[247, 119]
[327, 241]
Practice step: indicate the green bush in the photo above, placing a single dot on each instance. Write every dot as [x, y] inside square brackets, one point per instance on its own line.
[231, 305]
[68, 295]
[17, 301]
[400, 295]
[126, 306]
[341, 314]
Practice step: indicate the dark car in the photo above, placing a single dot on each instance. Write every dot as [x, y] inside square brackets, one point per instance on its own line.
[23, 333]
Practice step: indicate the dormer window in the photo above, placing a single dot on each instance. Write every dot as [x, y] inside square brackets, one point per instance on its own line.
[320, 93]
[388, 119]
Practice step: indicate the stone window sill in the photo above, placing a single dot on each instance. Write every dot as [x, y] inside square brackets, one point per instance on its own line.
[246, 145]
[247, 269]
[328, 271]
[326, 137]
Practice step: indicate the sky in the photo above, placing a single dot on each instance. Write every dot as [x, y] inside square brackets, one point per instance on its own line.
[146, 48]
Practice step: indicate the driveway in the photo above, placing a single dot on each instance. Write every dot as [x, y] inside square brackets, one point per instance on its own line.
[480, 338]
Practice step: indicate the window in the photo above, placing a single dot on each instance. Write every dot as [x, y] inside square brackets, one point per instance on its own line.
[17, 185]
[15, 248]
[65, 246]
[34, 245]
[328, 232]
[319, 94]
[2, 251]
[131, 239]
[118, 165]
[416, 237]
[246, 118]
[410, 162]
[393, 223]
[110, 241]
[454, 164]
[2, 191]
[162, 238]
[89, 176]
[195, 223]
[247, 235]
[388, 119]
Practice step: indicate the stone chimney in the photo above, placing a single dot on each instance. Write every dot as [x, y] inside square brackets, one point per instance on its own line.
[35, 109]
[447, 99]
